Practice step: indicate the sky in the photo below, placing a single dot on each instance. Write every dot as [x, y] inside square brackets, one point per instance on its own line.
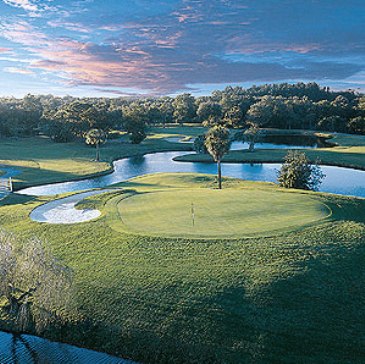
[146, 47]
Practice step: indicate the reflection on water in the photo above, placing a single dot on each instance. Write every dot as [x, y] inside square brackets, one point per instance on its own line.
[339, 180]
[245, 146]
[26, 349]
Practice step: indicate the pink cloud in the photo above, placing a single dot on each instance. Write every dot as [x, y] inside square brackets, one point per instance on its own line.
[21, 71]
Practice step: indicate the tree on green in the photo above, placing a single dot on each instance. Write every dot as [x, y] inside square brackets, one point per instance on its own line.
[217, 142]
[96, 137]
[298, 172]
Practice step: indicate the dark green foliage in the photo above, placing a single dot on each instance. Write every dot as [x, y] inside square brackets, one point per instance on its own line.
[286, 106]
[357, 125]
[134, 122]
[218, 143]
[210, 113]
[199, 144]
[184, 108]
[332, 123]
[298, 172]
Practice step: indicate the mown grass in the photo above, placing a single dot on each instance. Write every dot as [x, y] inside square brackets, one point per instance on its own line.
[292, 298]
[231, 212]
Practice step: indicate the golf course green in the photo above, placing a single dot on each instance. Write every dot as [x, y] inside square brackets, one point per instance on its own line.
[213, 213]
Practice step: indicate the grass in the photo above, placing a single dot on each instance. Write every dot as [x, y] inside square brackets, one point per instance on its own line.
[349, 151]
[295, 297]
[226, 213]
[42, 161]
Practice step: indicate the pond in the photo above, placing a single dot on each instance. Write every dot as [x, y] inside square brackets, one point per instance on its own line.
[27, 349]
[274, 141]
[340, 180]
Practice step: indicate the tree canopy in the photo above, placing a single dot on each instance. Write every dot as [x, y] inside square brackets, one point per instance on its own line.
[287, 106]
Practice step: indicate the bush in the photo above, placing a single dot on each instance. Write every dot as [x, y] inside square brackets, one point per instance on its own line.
[298, 172]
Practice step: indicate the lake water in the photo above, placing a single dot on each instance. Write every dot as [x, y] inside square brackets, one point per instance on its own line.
[340, 180]
[27, 349]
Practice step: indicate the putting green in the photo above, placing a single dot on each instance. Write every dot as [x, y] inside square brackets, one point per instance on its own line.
[218, 213]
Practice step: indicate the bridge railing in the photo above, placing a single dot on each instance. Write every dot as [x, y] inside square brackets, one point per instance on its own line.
[6, 185]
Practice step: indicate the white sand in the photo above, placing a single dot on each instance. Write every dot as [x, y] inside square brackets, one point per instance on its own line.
[63, 211]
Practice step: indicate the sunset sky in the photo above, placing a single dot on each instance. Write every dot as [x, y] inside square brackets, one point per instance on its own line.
[128, 47]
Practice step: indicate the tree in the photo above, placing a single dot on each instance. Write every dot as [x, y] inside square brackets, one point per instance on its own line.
[233, 117]
[357, 125]
[210, 113]
[332, 123]
[96, 137]
[217, 142]
[199, 144]
[184, 108]
[251, 136]
[34, 285]
[298, 172]
[134, 122]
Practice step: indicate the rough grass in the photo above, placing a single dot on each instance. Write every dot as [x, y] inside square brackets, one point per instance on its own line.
[293, 298]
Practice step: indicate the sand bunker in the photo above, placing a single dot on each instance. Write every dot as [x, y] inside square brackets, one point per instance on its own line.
[63, 211]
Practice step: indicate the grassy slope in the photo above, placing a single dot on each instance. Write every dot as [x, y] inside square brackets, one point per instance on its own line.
[349, 152]
[297, 297]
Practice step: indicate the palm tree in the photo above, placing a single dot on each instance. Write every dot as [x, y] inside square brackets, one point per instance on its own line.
[217, 142]
[96, 137]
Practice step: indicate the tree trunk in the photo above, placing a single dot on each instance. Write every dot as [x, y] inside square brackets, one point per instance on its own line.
[219, 174]
[97, 152]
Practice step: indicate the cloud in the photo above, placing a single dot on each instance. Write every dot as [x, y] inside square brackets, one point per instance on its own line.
[186, 42]
[5, 50]
[23, 4]
[21, 71]
[36, 8]
[72, 26]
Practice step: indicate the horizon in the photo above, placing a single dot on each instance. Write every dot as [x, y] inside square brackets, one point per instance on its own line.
[140, 49]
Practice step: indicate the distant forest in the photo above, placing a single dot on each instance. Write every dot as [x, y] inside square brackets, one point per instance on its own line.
[285, 106]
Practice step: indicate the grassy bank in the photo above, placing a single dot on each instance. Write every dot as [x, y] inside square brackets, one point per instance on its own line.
[349, 151]
[292, 296]
[42, 161]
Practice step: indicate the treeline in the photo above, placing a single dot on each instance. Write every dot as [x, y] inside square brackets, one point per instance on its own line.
[286, 106]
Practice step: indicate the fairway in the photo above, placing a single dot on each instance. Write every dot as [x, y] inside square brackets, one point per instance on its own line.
[223, 213]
